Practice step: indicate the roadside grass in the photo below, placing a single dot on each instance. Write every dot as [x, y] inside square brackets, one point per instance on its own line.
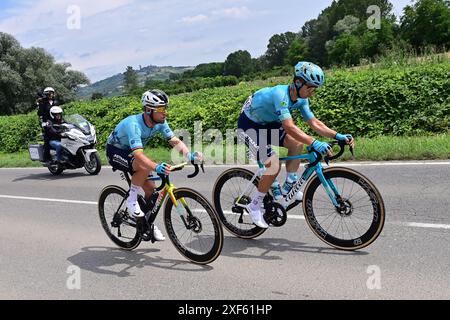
[22, 159]
[367, 149]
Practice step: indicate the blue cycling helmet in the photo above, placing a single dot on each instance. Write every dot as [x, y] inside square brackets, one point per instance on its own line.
[312, 74]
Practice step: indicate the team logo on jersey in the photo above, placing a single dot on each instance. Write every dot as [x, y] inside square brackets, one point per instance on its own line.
[120, 160]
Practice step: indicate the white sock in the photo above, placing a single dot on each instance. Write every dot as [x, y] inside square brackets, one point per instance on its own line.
[134, 190]
[257, 199]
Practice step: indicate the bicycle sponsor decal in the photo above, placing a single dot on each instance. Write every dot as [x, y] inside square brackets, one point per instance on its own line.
[295, 189]
[373, 199]
[314, 223]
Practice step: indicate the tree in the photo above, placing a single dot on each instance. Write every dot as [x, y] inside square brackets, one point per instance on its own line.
[23, 72]
[278, 48]
[374, 42]
[348, 24]
[96, 96]
[318, 32]
[427, 22]
[299, 51]
[238, 64]
[205, 70]
[347, 49]
[130, 81]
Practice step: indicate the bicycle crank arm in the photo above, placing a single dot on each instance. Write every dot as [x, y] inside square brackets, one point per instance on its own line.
[293, 205]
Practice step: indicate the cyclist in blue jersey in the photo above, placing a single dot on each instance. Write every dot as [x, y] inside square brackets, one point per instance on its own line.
[266, 120]
[126, 143]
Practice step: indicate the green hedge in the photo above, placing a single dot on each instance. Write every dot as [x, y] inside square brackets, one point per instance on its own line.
[395, 101]
[407, 101]
[16, 132]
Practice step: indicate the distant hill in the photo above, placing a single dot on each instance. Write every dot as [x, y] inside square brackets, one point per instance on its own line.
[113, 86]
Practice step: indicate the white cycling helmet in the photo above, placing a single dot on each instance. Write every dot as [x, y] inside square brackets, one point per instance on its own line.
[155, 98]
[54, 111]
[49, 89]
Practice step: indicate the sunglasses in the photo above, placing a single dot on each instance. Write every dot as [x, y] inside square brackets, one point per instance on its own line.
[159, 109]
[308, 86]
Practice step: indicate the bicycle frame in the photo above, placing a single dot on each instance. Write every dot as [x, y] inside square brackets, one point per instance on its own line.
[328, 185]
[166, 192]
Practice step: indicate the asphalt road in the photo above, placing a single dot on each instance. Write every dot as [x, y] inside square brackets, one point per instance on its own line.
[52, 246]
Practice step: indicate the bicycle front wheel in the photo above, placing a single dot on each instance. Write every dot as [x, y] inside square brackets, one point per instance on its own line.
[228, 200]
[360, 216]
[193, 226]
[115, 220]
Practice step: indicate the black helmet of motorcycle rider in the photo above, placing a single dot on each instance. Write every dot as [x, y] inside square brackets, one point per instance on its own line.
[56, 114]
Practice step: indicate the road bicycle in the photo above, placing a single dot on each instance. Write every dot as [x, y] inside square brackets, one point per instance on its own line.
[190, 220]
[341, 206]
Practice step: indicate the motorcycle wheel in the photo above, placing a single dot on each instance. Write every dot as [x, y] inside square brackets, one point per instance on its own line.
[94, 166]
[56, 169]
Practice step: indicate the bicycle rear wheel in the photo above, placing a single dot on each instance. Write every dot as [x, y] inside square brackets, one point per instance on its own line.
[360, 217]
[227, 190]
[193, 227]
[115, 220]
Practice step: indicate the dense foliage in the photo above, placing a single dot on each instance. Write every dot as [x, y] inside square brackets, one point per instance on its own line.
[399, 100]
[23, 72]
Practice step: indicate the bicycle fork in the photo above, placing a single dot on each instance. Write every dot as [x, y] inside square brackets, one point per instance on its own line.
[192, 223]
[330, 188]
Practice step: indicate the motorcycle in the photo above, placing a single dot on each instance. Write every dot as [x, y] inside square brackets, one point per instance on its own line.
[78, 140]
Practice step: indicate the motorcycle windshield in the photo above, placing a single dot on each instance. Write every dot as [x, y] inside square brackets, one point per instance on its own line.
[79, 122]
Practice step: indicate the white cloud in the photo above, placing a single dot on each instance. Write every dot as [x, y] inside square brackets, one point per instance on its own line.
[194, 19]
[235, 12]
[44, 14]
[117, 33]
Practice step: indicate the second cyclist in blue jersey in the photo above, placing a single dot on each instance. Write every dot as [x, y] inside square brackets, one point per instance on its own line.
[125, 148]
[266, 120]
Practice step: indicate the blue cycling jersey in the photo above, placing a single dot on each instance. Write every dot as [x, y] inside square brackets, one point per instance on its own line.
[274, 105]
[133, 134]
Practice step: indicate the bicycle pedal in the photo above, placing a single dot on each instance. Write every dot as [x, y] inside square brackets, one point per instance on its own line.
[148, 235]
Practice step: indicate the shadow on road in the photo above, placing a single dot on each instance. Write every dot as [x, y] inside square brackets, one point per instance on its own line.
[268, 247]
[113, 261]
[49, 177]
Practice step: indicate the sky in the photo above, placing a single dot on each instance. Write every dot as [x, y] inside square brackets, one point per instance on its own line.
[103, 37]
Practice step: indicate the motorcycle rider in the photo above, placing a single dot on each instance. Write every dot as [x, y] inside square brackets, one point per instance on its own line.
[54, 129]
[45, 101]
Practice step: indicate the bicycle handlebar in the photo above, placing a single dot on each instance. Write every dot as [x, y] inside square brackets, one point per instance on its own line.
[197, 170]
[165, 178]
[319, 156]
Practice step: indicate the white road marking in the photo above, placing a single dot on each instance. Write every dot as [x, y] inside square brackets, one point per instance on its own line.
[349, 164]
[294, 217]
[427, 225]
[403, 224]
[354, 164]
[48, 200]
